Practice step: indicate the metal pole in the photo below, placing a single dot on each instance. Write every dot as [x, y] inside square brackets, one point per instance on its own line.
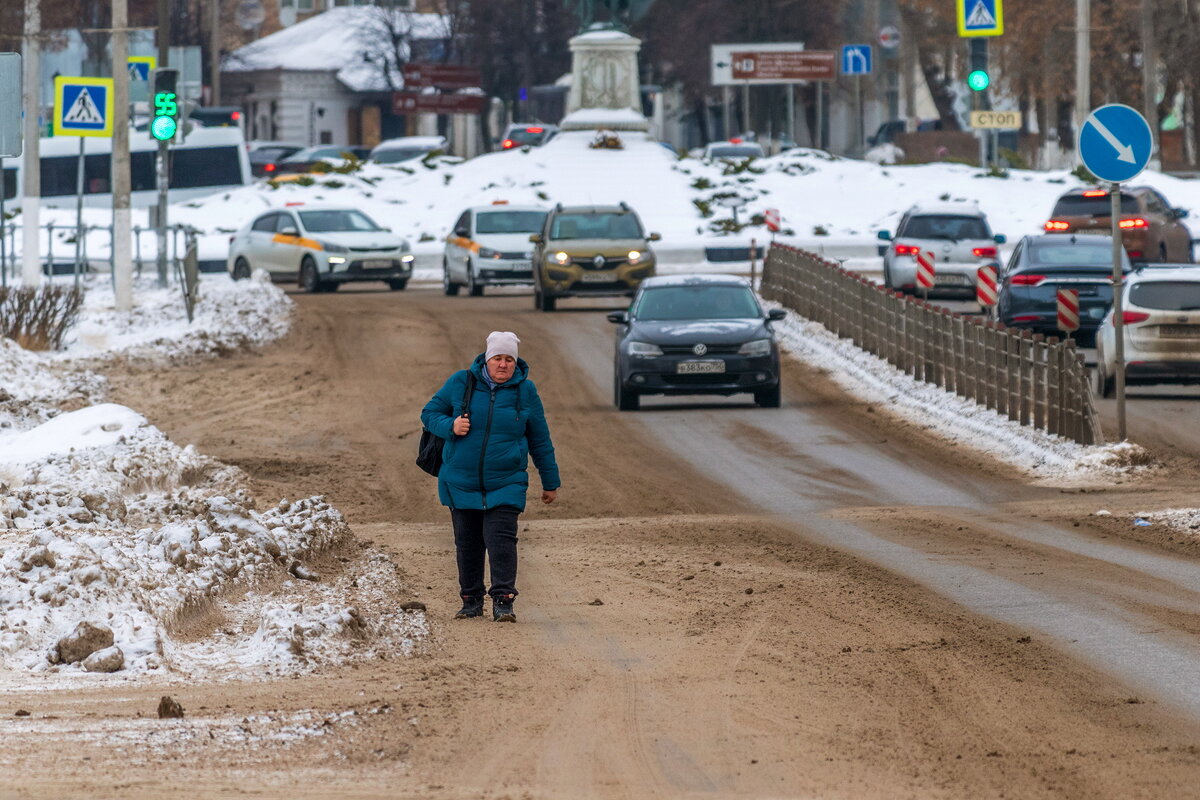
[31, 201]
[215, 52]
[160, 162]
[791, 111]
[820, 115]
[1083, 61]
[861, 137]
[753, 262]
[79, 232]
[726, 124]
[1118, 303]
[3, 240]
[122, 220]
[1150, 72]
[746, 108]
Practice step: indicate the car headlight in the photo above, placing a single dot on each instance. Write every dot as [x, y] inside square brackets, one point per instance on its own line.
[560, 258]
[487, 252]
[635, 256]
[758, 347]
[528, 254]
[330, 247]
[644, 350]
[408, 259]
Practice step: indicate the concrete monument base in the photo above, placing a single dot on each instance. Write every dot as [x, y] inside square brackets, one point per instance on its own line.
[605, 89]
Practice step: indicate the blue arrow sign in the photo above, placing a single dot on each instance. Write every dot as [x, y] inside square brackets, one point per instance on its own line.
[856, 59]
[1115, 143]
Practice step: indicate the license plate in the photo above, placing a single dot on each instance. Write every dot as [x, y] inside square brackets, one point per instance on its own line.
[597, 277]
[953, 280]
[703, 367]
[1179, 331]
[377, 263]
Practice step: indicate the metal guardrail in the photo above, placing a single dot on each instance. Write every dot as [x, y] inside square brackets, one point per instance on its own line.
[1033, 380]
[180, 238]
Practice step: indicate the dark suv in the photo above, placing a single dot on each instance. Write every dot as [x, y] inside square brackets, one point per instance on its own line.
[1150, 226]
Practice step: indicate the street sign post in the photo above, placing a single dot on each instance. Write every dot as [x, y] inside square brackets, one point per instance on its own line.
[856, 61]
[83, 106]
[141, 67]
[415, 102]
[446, 77]
[1115, 144]
[980, 17]
[772, 220]
[793, 66]
[889, 37]
[996, 120]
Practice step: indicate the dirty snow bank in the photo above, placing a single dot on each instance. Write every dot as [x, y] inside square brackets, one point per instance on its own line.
[1050, 459]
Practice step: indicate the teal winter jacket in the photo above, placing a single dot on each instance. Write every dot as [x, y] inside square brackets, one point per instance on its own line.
[489, 466]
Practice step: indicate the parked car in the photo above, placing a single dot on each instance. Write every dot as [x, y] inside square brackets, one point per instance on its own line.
[217, 116]
[957, 234]
[886, 132]
[533, 134]
[696, 334]
[594, 251]
[306, 160]
[407, 148]
[1040, 266]
[1151, 228]
[1161, 318]
[320, 246]
[733, 150]
[489, 246]
[265, 156]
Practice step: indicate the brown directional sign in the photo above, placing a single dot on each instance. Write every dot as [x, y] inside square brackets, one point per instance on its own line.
[417, 103]
[785, 67]
[418, 75]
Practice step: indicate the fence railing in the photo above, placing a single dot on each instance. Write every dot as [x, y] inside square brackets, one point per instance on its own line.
[1033, 380]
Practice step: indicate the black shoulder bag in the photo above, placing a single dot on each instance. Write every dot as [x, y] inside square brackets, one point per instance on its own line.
[429, 451]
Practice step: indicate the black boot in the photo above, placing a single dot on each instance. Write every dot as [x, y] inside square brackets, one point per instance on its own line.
[502, 608]
[472, 607]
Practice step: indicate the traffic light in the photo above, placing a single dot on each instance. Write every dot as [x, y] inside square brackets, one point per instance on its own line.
[164, 120]
[978, 80]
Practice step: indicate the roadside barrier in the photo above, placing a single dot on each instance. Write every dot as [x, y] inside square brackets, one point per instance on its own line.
[1031, 379]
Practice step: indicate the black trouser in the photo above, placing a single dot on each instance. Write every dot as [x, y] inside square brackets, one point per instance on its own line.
[493, 532]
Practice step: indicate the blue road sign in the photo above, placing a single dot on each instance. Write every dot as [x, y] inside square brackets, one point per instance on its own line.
[856, 59]
[83, 106]
[980, 17]
[1115, 143]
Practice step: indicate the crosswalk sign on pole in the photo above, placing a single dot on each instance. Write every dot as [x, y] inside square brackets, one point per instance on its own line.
[980, 17]
[141, 67]
[83, 106]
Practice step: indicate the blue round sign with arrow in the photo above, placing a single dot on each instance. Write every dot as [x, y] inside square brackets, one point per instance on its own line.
[1115, 143]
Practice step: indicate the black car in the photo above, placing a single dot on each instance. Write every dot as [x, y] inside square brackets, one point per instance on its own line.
[265, 157]
[1041, 265]
[696, 334]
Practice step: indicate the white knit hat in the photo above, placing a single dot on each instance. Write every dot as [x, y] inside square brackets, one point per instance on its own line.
[501, 343]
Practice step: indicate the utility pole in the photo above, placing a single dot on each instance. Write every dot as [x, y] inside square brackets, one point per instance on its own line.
[214, 47]
[1083, 61]
[122, 223]
[31, 196]
[1150, 71]
[160, 164]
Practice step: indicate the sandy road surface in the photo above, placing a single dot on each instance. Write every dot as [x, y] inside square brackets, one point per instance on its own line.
[745, 643]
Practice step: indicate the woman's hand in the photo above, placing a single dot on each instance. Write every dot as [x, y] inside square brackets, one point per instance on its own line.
[461, 426]
[549, 496]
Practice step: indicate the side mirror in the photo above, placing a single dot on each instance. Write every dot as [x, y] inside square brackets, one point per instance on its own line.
[776, 314]
[1181, 213]
[290, 230]
[885, 236]
[655, 237]
[1000, 238]
[462, 233]
[536, 238]
[618, 317]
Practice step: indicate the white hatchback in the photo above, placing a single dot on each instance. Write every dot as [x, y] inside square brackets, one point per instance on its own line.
[320, 246]
[1161, 315]
[489, 246]
[958, 236]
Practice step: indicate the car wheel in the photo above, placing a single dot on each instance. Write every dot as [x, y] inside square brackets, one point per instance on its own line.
[473, 288]
[398, 284]
[449, 287]
[310, 281]
[1106, 386]
[887, 277]
[1162, 252]
[241, 269]
[548, 303]
[624, 399]
[769, 398]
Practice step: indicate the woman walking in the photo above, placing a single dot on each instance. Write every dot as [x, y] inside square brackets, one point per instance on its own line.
[492, 421]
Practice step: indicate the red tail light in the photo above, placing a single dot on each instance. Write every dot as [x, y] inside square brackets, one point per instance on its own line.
[1057, 225]
[907, 249]
[1095, 193]
[1136, 222]
[1136, 254]
[984, 252]
[1026, 318]
[1026, 280]
[1132, 317]
[535, 130]
[269, 168]
[735, 140]
[235, 116]
[508, 144]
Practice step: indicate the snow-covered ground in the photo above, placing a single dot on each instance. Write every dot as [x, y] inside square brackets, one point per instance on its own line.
[105, 521]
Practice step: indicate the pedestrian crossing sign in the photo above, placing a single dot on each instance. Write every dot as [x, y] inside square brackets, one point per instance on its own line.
[980, 17]
[83, 106]
[141, 67]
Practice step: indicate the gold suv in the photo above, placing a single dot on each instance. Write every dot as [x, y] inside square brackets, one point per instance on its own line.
[590, 251]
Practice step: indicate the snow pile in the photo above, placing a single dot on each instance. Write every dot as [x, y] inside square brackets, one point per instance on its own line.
[1048, 458]
[105, 520]
[229, 315]
[32, 390]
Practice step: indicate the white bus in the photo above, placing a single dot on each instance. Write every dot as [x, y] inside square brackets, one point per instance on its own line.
[212, 160]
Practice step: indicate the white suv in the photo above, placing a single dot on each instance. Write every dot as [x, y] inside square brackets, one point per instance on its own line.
[957, 234]
[1161, 313]
[489, 246]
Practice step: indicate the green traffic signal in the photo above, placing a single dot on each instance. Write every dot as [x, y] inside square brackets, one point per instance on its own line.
[163, 128]
[978, 80]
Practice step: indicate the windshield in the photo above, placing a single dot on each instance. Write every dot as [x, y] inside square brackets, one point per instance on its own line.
[1076, 205]
[596, 226]
[736, 151]
[1166, 295]
[1073, 255]
[399, 154]
[510, 221]
[945, 226]
[337, 221]
[697, 302]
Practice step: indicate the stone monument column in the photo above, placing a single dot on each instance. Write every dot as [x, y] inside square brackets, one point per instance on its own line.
[605, 85]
